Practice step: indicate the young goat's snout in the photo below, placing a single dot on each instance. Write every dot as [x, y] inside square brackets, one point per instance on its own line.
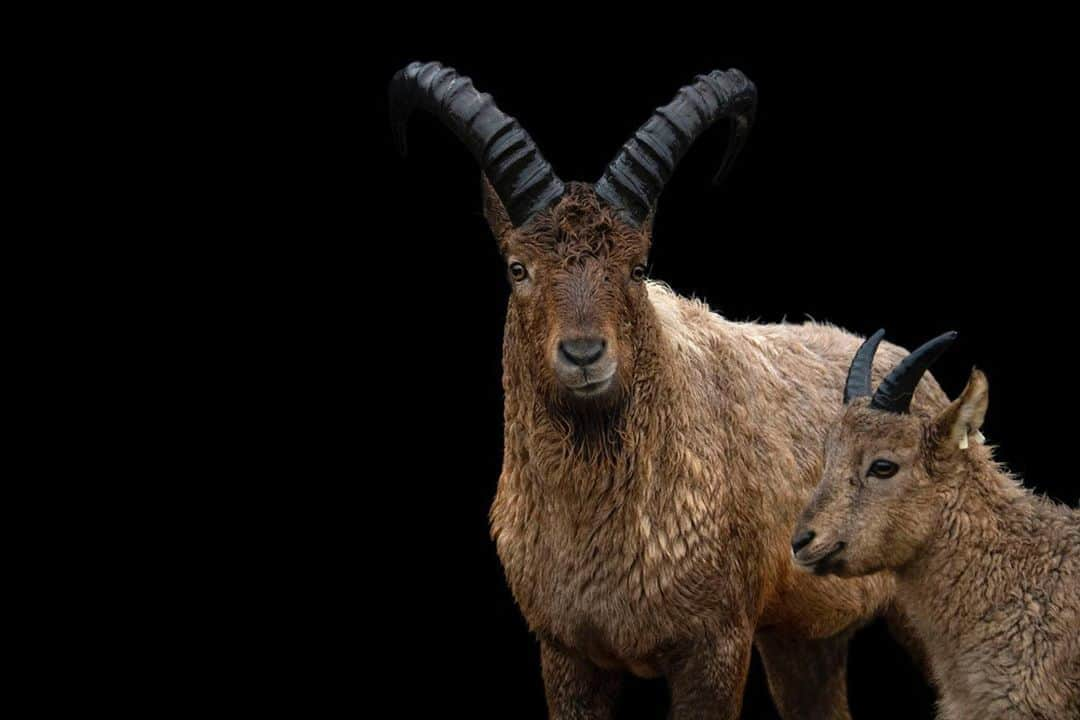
[817, 557]
[802, 539]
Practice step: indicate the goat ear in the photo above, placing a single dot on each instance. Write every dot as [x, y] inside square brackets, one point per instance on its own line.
[494, 211]
[958, 424]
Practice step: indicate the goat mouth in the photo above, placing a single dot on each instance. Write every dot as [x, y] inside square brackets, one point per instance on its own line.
[820, 564]
[591, 388]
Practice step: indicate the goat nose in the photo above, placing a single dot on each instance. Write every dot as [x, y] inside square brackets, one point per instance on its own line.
[801, 540]
[582, 351]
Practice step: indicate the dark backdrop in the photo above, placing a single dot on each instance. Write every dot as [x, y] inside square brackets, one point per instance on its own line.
[918, 191]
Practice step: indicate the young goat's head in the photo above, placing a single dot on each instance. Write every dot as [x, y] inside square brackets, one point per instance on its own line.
[576, 253]
[877, 498]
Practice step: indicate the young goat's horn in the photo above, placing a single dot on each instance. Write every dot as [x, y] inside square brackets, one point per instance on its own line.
[896, 390]
[858, 376]
[521, 177]
[634, 180]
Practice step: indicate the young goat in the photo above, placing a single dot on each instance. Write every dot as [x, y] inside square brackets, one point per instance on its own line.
[988, 573]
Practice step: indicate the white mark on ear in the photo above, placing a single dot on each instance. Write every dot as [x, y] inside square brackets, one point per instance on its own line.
[962, 420]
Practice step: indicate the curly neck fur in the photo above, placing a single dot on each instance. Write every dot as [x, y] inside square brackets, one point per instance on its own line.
[980, 505]
[990, 535]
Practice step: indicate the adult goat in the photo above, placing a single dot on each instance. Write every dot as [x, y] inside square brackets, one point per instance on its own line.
[656, 454]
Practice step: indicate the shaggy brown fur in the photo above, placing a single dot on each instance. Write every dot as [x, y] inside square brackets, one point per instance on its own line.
[646, 529]
[988, 573]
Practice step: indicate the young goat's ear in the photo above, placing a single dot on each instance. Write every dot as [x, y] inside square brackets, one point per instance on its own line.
[494, 212]
[958, 425]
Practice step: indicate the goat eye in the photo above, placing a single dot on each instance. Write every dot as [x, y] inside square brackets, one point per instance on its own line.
[883, 469]
[638, 273]
[518, 272]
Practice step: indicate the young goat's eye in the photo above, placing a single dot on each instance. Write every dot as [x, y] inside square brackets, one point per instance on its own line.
[518, 272]
[883, 469]
[638, 273]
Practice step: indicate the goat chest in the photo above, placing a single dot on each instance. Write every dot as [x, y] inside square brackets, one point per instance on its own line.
[619, 583]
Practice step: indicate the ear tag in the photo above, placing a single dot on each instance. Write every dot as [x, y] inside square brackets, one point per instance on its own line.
[979, 437]
[964, 440]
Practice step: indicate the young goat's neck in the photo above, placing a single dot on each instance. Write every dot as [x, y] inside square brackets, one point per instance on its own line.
[978, 508]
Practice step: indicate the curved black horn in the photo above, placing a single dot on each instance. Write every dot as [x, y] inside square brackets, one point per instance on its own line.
[635, 178]
[858, 375]
[523, 180]
[896, 390]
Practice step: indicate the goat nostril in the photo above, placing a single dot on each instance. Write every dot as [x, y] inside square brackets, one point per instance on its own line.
[801, 540]
[583, 351]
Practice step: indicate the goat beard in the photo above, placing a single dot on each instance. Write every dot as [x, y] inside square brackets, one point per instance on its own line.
[594, 423]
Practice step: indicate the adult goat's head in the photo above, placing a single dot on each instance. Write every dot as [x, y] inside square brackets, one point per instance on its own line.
[575, 252]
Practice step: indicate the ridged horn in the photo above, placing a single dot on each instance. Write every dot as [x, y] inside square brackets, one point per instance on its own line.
[636, 177]
[521, 177]
[858, 376]
[896, 390]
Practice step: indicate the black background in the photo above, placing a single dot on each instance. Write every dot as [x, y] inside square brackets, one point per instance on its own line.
[915, 188]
